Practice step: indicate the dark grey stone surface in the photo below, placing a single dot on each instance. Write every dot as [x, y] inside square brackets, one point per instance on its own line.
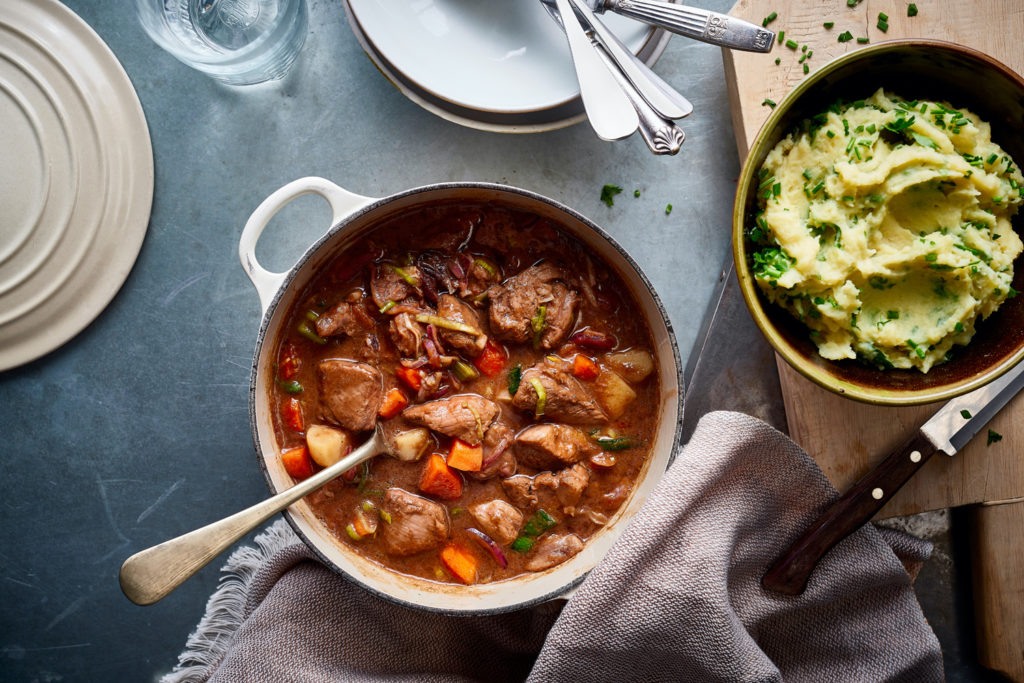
[137, 430]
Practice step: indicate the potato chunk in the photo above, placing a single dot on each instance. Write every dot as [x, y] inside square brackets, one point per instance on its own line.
[634, 365]
[327, 445]
[410, 445]
[613, 393]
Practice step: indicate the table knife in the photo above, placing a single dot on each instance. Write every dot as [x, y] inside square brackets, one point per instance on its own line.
[947, 431]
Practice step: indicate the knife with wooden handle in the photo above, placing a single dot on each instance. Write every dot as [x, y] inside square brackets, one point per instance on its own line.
[947, 431]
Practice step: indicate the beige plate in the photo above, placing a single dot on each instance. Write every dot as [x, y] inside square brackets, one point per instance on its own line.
[77, 185]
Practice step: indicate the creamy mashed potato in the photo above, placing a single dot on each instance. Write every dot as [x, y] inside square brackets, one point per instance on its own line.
[885, 227]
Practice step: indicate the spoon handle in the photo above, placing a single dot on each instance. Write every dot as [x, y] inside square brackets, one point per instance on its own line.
[609, 110]
[150, 575]
[699, 24]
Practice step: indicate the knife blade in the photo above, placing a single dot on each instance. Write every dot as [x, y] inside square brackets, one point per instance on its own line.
[947, 431]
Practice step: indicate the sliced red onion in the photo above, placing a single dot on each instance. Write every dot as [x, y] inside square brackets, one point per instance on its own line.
[456, 269]
[489, 544]
[413, 364]
[432, 355]
[498, 450]
[593, 339]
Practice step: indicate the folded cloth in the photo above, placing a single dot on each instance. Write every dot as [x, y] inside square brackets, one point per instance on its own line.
[678, 598]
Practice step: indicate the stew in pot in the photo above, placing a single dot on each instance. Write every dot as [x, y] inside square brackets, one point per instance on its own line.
[510, 371]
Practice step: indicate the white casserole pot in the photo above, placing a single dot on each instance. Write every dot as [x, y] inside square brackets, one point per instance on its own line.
[353, 217]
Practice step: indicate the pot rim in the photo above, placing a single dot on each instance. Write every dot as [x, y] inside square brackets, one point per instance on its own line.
[339, 224]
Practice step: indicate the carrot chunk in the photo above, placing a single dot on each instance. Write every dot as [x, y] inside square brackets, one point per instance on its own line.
[584, 368]
[440, 480]
[492, 360]
[393, 404]
[413, 378]
[293, 414]
[297, 462]
[464, 457]
[459, 562]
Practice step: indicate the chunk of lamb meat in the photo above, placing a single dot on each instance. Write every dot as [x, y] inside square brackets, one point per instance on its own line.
[345, 318]
[547, 490]
[552, 550]
[351, 392]
[453, 308]
[478, 279]
[465, 416]
[498, 519]
[417, 524]
[407, 335]
[516, 302]
[553, 446]
[566, 400]
[498, 458]
[387, 284]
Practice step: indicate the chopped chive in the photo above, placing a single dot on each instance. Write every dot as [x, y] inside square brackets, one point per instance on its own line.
[803, 48]
[792, 44]
[777, 189]
[845, 37]
[966, 414]
[770, 18]
[911, 10]
[636, 193]
[768, 103]
[992, 159]
[608, 193]
[668, 209]
[882, 16]
[993, 436]
[830, 133]
[862, 40]
[829, 24]
[782, 36]
[883, 26]
[778, 60]
[807, 69]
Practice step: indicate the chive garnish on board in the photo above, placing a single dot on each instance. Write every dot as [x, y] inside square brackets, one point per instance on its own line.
[829, 24]
[845, 37]
[792, 44]
[768, 103]
[770, 18]
[911, 10]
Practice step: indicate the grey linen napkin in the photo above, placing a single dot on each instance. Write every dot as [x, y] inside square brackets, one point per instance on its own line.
[678, 598]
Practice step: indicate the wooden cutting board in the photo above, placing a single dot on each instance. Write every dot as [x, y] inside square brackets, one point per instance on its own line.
[845, 437]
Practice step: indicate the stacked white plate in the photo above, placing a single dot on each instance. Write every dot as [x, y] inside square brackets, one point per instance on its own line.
[76, 177]
[496, 65]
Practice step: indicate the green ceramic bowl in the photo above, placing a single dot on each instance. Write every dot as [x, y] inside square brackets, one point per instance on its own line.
[913, 69]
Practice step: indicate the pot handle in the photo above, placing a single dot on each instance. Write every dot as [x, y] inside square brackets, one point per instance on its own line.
[343, 204]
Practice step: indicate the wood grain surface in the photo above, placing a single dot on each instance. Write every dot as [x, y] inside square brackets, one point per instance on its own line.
[847, 438]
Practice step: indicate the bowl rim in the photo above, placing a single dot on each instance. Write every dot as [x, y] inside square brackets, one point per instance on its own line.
[265, 339]
[751, 295]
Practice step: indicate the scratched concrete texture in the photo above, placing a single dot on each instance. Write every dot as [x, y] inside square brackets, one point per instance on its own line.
[137, 430]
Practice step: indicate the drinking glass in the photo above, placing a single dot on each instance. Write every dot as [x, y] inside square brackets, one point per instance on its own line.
[238, 42]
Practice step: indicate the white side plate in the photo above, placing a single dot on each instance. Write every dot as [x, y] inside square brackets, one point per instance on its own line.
[76, 185]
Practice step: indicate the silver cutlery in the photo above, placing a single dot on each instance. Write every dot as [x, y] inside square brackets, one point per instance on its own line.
[627, 64]
[692, 22]
[610, 112]
[662, 136]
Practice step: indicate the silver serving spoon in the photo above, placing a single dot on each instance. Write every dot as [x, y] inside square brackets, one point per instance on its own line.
[151, 574]
[692, 22]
